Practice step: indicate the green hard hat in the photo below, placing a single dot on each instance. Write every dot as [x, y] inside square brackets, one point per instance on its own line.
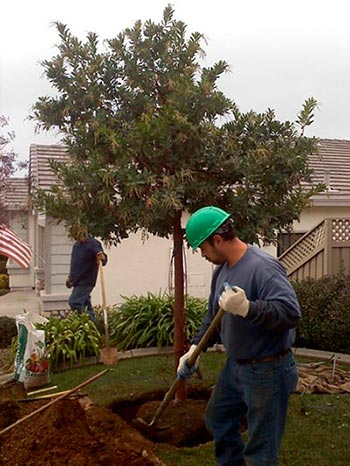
[203, 223]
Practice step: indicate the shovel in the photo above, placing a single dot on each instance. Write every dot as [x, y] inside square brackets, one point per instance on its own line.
[178, 381]
[109, 356]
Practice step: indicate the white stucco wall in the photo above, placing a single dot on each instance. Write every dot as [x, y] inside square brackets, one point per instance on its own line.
[136, 267]
[313, 216]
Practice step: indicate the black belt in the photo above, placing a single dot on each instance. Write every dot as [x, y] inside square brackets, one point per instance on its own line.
[276, 357]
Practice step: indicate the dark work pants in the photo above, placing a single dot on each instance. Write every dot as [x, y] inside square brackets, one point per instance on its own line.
[261, 391]
[80, 300]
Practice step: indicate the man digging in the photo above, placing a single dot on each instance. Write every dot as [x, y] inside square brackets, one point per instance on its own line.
[257, 331]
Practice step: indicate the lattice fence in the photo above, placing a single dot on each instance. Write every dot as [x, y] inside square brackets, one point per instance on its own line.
[305, 247]
[316, 242]
[341, 229]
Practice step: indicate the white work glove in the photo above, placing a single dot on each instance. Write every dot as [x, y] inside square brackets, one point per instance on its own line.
[234, 300]
[183, 371]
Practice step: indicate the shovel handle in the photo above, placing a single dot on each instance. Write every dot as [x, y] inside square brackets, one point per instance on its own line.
[103, 287]
[206, 337]
[190, 362]
[104, 301]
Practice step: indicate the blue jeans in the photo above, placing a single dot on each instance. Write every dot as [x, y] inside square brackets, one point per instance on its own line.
[260, 391]
[80, 300]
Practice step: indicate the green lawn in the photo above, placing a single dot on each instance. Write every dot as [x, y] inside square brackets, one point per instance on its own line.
[318, 428]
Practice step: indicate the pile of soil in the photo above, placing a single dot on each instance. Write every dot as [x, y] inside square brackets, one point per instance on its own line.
[67, 434]
[74, 431]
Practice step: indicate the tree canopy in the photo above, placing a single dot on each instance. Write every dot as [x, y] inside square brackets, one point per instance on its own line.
[141, 120]
[150, 136]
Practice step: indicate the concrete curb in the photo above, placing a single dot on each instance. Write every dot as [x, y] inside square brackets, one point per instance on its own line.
[144, 352]
[322, 355]
[298, 352]
[168, 350]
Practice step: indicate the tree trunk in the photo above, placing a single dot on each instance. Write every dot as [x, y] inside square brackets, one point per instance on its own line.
[179, 314]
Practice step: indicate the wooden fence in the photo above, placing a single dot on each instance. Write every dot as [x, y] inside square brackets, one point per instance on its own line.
[324, 250]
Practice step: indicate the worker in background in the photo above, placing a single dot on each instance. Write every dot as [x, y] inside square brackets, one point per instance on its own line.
[86, 255]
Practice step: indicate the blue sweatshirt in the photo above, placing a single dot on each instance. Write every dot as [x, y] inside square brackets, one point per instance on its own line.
[273, 314]
[83, 266]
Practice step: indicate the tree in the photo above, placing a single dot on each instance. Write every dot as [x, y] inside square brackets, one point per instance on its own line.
[141, 123]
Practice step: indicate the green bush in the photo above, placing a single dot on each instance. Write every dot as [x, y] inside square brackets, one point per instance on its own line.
[8, 331]
[4, 281]
[325, 307]
[148, 321]
[98, 310]
[70, 339]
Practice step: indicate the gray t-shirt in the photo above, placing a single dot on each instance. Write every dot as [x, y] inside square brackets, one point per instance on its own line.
[269, 327]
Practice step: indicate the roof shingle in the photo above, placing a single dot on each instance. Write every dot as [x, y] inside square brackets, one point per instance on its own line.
[331, 165]
[40, 173]
[16, 196]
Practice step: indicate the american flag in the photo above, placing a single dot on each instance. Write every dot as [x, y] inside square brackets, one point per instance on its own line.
[13, 247]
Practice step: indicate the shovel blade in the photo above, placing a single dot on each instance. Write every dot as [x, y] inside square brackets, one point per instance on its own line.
[109, 356]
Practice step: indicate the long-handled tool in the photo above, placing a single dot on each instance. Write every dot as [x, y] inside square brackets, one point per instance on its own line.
[109, 356]
[65, 394]
[190, 363]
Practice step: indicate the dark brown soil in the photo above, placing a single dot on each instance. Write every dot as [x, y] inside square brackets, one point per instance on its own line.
[181, 424]
[67, 434]
[71, 432]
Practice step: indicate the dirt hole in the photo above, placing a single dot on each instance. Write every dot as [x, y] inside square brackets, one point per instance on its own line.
[180, 425]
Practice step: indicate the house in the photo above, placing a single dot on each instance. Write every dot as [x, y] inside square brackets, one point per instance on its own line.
[320, 242]
[330, 166]
[137, 266]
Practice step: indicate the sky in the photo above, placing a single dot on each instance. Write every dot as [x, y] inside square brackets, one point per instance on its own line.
[280, 53]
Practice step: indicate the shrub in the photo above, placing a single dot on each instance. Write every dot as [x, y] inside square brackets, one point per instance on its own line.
[148, 321]
[8, 331]
[98, 310]
[70, 339]
[4, 281]
[325, 307]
